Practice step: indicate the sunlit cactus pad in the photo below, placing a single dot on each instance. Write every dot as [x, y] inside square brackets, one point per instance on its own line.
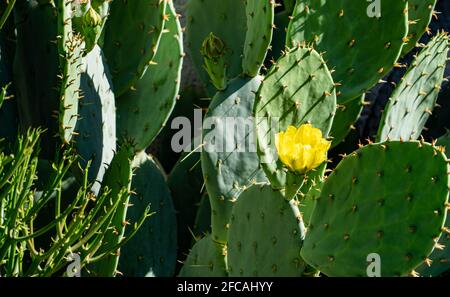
[379, 200]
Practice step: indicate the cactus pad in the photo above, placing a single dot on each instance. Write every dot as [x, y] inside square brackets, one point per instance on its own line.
[96, 127]
[48, 77]
[260, 23]
[227, 20]
[229, 160]
[131, 38]
[420, 13]
[70, 49]
[340, 28]
[264, 237]
[153, 250]
[185, 182]
[380, 199]
[415, 97]
[440, 257]
[298, 89]
[206, 259]
[117, 178]
[143, 111]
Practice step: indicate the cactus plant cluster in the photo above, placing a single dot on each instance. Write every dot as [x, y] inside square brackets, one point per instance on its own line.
[88, 74]
[306, 219]
[272, 185]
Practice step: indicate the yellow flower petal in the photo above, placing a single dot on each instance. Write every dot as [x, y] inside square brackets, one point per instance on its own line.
[302, 149]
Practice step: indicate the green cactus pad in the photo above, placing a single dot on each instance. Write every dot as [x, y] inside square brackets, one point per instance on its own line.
[312, 188]
[387, 199]
[227, 20]
[440, 257]
[117, 177]
[185, 182]
[420, 13]
[359, 48]
[206, 259]
[229, 160]
[143, 111]
[70, 50]
[38, 73]
[298, 89]
[132, 34]
[346, 116]
[96, 127]
[153, 250]
[260, 22]
[202, 223]
[264, 237]
[415, 97]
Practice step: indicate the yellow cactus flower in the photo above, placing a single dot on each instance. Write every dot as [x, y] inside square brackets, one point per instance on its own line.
[302, 149]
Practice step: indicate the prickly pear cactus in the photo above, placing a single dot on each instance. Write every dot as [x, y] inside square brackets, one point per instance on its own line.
[379, 200]
[143, 110]
[213, 51]
[207, 258]
[439, 260]
[358, 56]
[414, 99]
[264, 226]
[95, 139]
[70, 50]
[298, 89]
[314, 185]
[118, 176]
[270, 183]
[132, 34]
[186, 185]
[229, 160]
[152, 251]
[420, 13]
[260, 23]
[225, 19]
[89, 19]
[53, 64]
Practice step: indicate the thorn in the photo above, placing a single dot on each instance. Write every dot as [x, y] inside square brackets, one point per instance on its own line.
[439, 246]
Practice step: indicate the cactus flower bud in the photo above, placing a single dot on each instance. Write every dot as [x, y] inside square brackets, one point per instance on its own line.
[213, 47]
[302, 149]
[90, 26]
[214, 51]
[92, 18]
